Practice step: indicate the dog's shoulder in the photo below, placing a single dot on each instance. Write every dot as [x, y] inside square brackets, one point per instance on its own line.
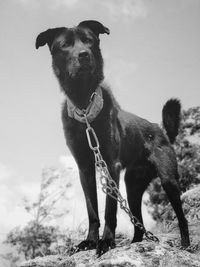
[109, 98]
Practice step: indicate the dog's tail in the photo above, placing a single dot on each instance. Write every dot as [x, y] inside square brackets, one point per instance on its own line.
[171, 118]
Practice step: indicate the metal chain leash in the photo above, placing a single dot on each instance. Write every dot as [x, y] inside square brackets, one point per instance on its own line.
[109, 186]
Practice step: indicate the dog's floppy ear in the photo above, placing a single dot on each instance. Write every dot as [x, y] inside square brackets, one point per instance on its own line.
[47, 37]
[95, 26]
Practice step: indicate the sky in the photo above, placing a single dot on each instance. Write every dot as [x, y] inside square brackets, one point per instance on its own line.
[151, 55]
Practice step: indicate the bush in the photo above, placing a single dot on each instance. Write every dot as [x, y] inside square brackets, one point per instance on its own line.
[37, 238]
[33, 240]
[187, 149]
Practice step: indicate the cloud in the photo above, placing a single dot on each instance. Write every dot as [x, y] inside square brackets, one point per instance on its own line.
[51, 3]
[68, 3]
[127, 8]
[5, 172]
[12, 212]
[118, 71]
[68, 162]
[12, 191]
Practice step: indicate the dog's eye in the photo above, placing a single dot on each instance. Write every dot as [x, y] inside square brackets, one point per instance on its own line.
[88, 41]
[64, 44]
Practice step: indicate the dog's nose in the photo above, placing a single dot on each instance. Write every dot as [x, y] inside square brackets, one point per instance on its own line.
[83, 56]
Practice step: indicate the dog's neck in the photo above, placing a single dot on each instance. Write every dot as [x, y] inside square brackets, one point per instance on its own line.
[91, 111]
[79, 91]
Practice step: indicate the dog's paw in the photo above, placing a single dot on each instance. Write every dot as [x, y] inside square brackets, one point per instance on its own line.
[104, 245]
[137, 239]
[86, 245]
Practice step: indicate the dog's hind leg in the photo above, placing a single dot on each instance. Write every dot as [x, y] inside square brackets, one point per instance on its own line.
[88, 182]
[136, 183]
[166, 165]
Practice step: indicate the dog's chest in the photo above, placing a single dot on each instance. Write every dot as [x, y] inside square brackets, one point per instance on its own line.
[76, 138]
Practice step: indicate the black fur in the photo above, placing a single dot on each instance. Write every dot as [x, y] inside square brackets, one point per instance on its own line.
[95, 26]
[47, 37]
[171, 118]
[126, 140]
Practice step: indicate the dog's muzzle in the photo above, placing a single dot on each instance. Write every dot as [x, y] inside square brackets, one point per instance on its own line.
[84, 57]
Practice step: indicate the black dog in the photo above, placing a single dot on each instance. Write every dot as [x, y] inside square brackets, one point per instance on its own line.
[126, 141]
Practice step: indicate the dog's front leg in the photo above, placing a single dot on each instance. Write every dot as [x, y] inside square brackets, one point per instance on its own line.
[108, 238]
[88, 182]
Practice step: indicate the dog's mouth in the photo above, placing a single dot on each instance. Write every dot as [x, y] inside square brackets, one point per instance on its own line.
[85, 68]
[81, 71]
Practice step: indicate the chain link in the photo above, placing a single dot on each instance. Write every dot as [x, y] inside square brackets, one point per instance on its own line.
[109, 186]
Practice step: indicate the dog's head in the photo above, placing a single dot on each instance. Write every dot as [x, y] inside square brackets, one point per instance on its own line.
[75, 51]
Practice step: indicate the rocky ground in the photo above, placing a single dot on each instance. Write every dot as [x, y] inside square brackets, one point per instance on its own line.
[166, 253]
[141, 254]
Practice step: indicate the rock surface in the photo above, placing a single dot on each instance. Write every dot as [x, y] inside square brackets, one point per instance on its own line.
[166, 253]
[142, 254]
[191, 200]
